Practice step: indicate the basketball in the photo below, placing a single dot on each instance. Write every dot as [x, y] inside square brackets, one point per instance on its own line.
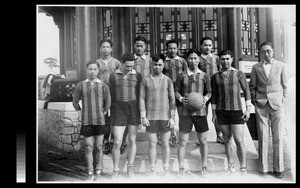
[195, 101]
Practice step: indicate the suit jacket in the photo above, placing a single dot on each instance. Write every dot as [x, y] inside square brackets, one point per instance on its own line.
[272, 89]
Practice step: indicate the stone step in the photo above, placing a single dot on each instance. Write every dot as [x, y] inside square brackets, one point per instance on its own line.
[191, 147]
[142, 135]
[192, 162]
[213, 146]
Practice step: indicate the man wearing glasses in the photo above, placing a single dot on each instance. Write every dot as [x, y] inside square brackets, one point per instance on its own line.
[268, 87]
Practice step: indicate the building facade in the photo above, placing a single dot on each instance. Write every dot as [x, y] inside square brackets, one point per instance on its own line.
[239, 29]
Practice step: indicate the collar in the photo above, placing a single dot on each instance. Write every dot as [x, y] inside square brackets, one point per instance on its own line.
[177, 57]
[100, 59]
[230, 69]
[161, 77]
[189, 73]
[97, 80]
[142, 56]
[119, 71]
[208, 55]
[271, 62]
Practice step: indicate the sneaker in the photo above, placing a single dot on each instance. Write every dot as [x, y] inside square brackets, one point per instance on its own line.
[98, 175]
[278, 175]
[166, 171]
[153, 172]
[243, 171]
[123, 146]
[220, 139]
[115, 174]
[90, 176]
[230, 170]
[181, 171]
[204, 172]
[263, 174]
[173, 141]
[130, 172]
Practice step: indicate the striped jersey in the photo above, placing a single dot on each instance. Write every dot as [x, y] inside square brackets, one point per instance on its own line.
[226, 89]
[189, 82]
[209, 64]
[96, 100]
[124, 88]
[173, 67]
[105, 69]
[142, 64]
[157, 101]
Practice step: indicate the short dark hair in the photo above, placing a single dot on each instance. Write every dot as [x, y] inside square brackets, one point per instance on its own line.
[106, 40]
[92, 62]
[266, 43]
[141, 38]
[205, 38]
[226, 52]
[172, 41]
[192, 51]
[157, 57]
[127, 57]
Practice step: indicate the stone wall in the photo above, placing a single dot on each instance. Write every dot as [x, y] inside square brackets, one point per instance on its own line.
[59, 127]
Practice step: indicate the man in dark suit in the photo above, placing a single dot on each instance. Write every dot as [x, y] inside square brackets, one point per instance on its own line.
[268, 87]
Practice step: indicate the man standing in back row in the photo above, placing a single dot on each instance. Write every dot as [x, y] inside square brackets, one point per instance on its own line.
[173, 67]
[107, 65]
[210, 64]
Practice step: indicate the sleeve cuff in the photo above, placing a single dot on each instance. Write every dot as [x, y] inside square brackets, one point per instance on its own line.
[206, 98]
[172, 113]
[248, 102]
[143, 114]
[180, 99]
[213, 106]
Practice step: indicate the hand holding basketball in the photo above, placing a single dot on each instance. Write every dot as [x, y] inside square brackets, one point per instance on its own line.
[194, 101]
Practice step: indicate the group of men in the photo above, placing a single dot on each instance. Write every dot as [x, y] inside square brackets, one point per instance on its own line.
[119, 96]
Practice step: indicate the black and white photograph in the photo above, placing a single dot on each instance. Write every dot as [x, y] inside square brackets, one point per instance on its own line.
[181, 94]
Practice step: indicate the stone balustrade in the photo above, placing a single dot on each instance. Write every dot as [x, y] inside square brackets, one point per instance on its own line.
[58, 126]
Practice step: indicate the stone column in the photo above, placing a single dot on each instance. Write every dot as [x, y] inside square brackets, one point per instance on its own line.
[86, 28]
[234, 35]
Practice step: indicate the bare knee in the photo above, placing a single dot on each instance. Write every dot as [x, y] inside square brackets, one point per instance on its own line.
[152, 144]
[203, 141]
[117, 144]
[99, 148]
[182, 143]
[131, 140]
[239, 142]
[88, 148]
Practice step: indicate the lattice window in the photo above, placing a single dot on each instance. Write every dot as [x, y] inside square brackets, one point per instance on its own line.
[282, 43]
[107, 22]
[184, 25]
[142, 17]
[74, 34]
[210, 26]
[249, 31]
[255, 32]
[175, 23]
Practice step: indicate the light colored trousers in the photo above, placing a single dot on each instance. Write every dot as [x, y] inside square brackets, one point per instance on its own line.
[263, 115]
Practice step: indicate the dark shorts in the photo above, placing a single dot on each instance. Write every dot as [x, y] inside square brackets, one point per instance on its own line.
[227, 117]
[126, 113]
[94, 130]
[158, 126]
[186, 123]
